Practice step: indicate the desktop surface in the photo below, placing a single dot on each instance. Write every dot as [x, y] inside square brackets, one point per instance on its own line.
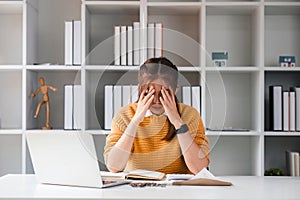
[244, 187]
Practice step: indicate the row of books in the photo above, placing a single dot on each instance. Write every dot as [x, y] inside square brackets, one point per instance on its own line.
[293, 163]
[73, 42]
[117, 96]
[127, 43]
[284, 108]
[72, 107]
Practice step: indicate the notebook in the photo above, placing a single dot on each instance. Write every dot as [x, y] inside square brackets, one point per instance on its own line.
[67, 159]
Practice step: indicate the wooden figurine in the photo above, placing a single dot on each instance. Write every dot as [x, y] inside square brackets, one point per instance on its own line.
[44, 89]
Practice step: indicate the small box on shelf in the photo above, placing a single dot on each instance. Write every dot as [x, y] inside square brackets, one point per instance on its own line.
[287, 61]
[220, 58]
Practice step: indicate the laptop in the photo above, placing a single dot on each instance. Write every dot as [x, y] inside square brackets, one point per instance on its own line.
[67, 159]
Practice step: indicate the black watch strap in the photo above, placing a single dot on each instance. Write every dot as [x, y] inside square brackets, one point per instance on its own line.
[183, 129]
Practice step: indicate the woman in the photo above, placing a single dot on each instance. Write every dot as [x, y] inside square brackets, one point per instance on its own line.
[157, 133]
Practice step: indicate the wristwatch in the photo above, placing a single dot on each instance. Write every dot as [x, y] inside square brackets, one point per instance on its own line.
[183, 129]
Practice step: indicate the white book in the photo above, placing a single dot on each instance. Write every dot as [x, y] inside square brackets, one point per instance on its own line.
[126, 97]
[68, 107]
[108, 106]
[292, 111]
[68, 43]
[150, 41]
[123, 46]
[134, 93]
[158, 40]
[129, 46]
[297, 89]
[186, 95]
[276, 113]
[297, 164]
[196, 97]
[286, 125]
[77, 43]
[117, 45]
[117, 98]
[77, 111]
[136, 43]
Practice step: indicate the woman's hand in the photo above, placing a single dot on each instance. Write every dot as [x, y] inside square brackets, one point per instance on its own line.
[144, 103]
[169, 104]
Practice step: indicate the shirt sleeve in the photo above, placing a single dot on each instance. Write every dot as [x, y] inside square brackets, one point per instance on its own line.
[118, 127]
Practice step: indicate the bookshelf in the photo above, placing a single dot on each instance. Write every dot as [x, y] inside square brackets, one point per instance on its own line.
[254, 32]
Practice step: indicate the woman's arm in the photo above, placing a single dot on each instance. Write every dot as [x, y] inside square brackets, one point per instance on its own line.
[118, 156]
[194, 156]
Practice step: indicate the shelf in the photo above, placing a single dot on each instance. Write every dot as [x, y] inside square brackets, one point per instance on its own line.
[100, 20]
[269, 133]
[284, 69]
[232, 133]
[53, 131]
[11, 7]
[279, 19]
[52, 67]
[10, 131]
[232, 69]
[234, 28]
[45, 36]
[173, 16]
[98, 132]
[55, 78]
[11, 17]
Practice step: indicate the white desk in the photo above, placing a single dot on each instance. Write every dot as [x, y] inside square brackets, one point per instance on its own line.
[26, 187]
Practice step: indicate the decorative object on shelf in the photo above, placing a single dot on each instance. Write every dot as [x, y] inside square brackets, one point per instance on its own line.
[44, 89]
[287, 61]
[274, 172]
[220, 58]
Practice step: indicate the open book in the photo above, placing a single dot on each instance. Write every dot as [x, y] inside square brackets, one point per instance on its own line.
[145, 174]
[203, 178]
[135, 174]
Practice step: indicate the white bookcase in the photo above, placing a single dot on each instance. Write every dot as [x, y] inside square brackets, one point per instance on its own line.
[254, 32]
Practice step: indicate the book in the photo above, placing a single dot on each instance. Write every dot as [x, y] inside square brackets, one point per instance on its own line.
[203, 178]
[286, 109]
[292, 163]
[72, 107]
[68, 42]
[275, 102]
[292, 116]
[134, 93]
[196, 97]
[126, 96]
[136, 43]
[117, 45]
[145, 174]
[297, 90]
[108, 106]
[186, 95]
[77, 109]
[76, 42]
[117, 98]
[150, 40]
[123, 46]
[129, 46]
[158, 40]
[68, 107]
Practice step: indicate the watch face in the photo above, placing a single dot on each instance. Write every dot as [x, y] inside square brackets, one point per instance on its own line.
[183, 129]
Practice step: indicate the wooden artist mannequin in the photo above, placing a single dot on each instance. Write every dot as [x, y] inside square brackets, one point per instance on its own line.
[44, 89]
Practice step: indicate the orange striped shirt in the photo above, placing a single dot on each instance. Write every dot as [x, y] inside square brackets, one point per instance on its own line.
[149, 150]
